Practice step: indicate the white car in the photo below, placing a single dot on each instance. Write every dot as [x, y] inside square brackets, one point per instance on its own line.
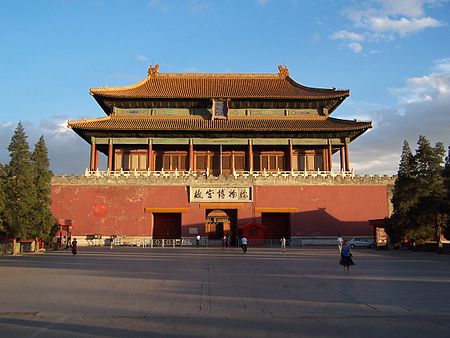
[361, 242]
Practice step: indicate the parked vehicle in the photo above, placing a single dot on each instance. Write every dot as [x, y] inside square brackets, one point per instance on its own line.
[361, 242]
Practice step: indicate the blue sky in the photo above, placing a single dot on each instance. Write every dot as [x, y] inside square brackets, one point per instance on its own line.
[394, 56]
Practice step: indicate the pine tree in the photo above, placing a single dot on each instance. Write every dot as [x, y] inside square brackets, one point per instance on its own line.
[446, 175]
[428, 216]
[420, 196]
[44, 220]
[2, 200]
[403, 196]
[20, 191]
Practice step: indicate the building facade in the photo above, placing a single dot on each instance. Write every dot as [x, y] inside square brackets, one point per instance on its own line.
[214, 154]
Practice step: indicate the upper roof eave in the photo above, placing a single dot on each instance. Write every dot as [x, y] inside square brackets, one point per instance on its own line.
[209, 85]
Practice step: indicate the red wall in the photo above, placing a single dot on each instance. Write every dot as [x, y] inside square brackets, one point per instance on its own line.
[120, 209]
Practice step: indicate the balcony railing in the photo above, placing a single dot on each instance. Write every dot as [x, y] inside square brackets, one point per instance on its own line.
[166, 174]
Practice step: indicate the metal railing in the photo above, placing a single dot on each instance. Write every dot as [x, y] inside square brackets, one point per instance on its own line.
[205, 242]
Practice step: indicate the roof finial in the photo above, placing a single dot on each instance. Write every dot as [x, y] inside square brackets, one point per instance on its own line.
[152, 71]
[283, 71]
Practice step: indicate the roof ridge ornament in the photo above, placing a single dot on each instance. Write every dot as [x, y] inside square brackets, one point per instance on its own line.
[283, 71]
[153, 71]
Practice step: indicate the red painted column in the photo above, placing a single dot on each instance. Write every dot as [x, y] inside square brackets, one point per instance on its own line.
[233, 164]
[291, 154]
[93, 150]
[330, 156]
[347, 159]
[96, 160]
[150, 156]
[191, 155]
[110, 155]
[342, 153]
[250, 155]
[325, 159]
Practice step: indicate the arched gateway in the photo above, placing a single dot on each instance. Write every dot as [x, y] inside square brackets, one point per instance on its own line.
[219, 223]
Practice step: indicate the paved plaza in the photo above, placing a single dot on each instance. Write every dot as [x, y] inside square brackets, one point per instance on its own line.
[215, 292]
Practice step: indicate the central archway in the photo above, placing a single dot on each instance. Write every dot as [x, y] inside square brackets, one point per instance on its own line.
[220, 223]
[217, 224]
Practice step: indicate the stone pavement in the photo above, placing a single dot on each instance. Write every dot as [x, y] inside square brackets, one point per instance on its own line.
[190, 292]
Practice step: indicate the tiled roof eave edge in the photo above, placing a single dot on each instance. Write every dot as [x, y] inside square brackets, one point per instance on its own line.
[255, 97]
[342, 92]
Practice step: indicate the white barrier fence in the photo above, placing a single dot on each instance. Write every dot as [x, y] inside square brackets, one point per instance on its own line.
[204, 242]
[236, 174]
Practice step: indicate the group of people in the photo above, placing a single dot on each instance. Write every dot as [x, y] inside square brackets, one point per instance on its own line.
[345, 254]
[243, 242]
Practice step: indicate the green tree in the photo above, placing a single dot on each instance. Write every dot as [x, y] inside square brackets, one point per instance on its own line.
[428, 213]
[44, 220]
[403, 195]
[2, 200]
[446, 175]
[420, 196]
[20, 191]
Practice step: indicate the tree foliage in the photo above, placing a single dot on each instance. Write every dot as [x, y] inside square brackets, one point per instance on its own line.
[420, 197]
[447, 186]
[19, 188]
[2, 200]
[402, 199]
[44, 220]
[26, 186]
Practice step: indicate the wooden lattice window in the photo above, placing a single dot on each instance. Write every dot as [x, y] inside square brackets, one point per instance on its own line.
[171, 160]
[270, 161]
[126, 159]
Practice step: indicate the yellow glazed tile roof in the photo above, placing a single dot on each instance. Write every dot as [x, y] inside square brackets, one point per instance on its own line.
[206, 86]
[150, 123]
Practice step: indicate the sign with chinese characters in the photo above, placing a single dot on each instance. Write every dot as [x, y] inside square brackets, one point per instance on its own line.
[220, 194]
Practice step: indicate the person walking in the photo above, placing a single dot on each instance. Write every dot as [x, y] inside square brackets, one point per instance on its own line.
[339, 243]
[283, 243]
[244, 244]
[74, 246]
[197, 241]
[346, 256]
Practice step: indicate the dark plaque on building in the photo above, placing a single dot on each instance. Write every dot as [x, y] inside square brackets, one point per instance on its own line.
[220, 109]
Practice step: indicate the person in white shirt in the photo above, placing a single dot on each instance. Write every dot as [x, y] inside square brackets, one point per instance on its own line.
[340, 240]
[244, 244]
[283, 243]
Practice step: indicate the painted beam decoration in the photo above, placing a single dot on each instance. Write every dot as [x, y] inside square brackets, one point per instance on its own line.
[220, 194]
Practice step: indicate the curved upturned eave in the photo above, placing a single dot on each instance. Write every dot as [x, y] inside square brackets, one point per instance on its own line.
[168, 86]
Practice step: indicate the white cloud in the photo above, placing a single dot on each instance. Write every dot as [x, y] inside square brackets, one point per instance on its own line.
[262, 2]
[346, 35]
[351, 40]
[385, 20]
[355, 46]
[68, 153]
[442, 65]
[422, 109]
[402, 26]
[411, 8]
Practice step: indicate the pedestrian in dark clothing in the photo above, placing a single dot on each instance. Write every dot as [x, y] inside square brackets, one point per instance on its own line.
[346, 256]
[74, 246]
